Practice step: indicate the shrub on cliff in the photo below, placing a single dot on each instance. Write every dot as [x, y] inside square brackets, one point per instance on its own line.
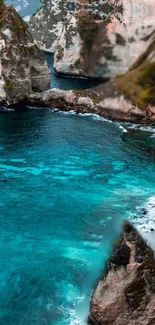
[138, 84]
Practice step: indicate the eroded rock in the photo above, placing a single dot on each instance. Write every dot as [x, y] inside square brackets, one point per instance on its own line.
[23, 67]
[106, 44]
[126, 292]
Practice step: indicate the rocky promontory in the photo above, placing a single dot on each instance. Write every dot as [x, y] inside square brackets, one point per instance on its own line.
[23, 67]
[125, 293]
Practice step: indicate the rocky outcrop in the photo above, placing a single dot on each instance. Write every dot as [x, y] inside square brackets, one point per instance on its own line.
[114, 106]
[23, 67]
[102, 47]
[48, 22]
[125, 293]
[127, 97]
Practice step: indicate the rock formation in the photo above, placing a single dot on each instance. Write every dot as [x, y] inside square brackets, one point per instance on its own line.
[23, 67]
[115, 106]
[47, 24]
[127, 97]
[97, 39]
[104, 45]
[125, 293]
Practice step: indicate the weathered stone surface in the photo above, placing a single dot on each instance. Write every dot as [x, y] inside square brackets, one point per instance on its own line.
[113, 106]
[116, 42]
[23, 67]
[126, 292]
[47, 24]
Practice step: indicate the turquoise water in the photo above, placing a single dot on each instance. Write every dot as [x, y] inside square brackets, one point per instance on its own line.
[68, 83]
[66, 182]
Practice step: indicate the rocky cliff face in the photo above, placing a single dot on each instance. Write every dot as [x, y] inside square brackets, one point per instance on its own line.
[47, 24]
[22, 65]
[103, 47]
[127, 97]
[125, 293]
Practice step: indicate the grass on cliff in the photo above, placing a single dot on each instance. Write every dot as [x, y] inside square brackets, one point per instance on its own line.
[139, 85]
[87, 93]
[87, 27]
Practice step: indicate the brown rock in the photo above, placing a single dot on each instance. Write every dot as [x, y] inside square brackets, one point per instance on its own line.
[126, 293]
[23, 67]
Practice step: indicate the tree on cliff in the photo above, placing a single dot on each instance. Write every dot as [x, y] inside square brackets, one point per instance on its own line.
[2, 2]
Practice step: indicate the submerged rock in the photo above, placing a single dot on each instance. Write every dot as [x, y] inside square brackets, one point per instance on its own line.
[23, 67]
[125, 293]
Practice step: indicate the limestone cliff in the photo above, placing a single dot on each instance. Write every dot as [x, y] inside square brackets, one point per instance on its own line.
[125, 293]
[23, 67]
[105, 44]
[127, 97]
[49, 21]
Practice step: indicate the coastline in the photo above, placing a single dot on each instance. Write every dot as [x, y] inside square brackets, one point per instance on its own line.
[117, 108]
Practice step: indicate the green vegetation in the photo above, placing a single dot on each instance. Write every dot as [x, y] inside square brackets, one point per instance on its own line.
[87, 93]
[10, 84]
[2, 2]
[139, 85]
[87, 27]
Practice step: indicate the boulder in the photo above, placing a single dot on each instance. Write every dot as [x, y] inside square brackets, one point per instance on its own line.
[23, 67]
[125, 293]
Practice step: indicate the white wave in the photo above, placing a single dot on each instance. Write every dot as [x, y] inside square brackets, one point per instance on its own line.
[123, 129]
[139, 127]
[144, 219]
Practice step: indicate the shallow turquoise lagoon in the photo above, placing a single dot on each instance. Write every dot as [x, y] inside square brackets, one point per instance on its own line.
[66, 182]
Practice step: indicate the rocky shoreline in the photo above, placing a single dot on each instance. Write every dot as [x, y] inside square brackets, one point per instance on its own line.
[115, 108]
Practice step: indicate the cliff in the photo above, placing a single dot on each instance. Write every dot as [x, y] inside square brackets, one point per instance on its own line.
[127, 97]
[105, 44]
[23, 67]
[50, 20]
[125, 293]
[94, 39]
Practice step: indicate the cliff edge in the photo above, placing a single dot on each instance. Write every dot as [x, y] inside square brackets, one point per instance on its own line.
[125, 293]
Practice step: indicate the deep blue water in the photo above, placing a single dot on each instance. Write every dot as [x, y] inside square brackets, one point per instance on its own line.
[68, 83]
[65, 181]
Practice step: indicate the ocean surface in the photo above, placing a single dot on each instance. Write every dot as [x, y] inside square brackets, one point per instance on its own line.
[67, 182]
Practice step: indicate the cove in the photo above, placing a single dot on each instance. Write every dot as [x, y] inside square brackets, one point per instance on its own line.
[64, 179]
[68, 83]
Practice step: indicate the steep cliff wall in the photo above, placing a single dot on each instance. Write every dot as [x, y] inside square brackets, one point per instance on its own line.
[125, 293]
[47, 24]
[105, 47]
[23, 67]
